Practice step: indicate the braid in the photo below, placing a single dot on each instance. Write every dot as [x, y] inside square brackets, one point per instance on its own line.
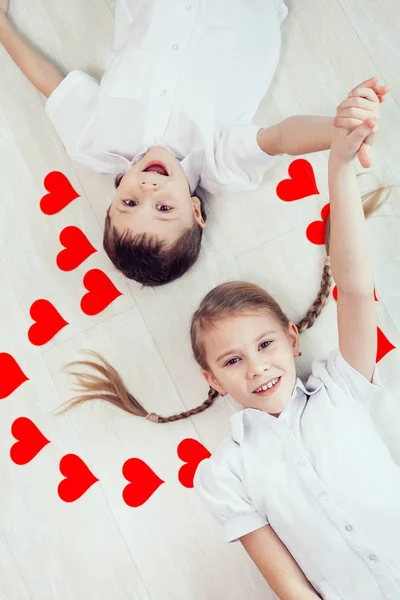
[319, 302]
[212, 395]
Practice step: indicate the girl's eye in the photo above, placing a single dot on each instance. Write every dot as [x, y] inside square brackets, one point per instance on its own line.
[163, 207]
[130, 202]
[265, 344]
[231, 361]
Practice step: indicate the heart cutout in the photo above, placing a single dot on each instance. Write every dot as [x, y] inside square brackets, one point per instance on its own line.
[30, 441]
[335, 294]
[101, 292]
[191, 452]
[77, 249]
[143, 482]
[301, 183]
[48, 322]
[384, 346]
[61, 193]
[12, 375]
[78, 478]
[315, 232]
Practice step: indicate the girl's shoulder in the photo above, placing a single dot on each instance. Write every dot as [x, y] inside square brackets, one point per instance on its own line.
[334, 375]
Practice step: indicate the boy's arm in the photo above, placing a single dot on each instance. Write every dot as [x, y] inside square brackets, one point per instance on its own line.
[300, 134]
[44, 75]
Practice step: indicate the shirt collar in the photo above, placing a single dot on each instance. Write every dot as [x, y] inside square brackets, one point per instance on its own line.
[237, 419]
[191, 164]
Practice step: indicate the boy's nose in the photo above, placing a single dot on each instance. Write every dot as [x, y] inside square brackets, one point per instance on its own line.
[147, 185]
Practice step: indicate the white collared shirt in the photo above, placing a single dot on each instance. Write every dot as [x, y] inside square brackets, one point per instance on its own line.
[321, 477]
[185, 74]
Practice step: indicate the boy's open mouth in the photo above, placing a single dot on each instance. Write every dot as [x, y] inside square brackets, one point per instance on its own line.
[156, 167]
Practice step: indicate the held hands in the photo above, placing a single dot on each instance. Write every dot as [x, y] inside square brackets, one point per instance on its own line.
[356, 122]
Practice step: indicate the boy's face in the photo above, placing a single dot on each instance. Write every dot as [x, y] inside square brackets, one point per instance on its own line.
[154, 198]
[246, 353]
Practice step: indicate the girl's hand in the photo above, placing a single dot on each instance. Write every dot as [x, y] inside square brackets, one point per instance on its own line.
[362, 103]
[347, 144]
[4, 6]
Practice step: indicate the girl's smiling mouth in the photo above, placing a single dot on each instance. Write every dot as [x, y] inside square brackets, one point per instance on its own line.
[268, 388]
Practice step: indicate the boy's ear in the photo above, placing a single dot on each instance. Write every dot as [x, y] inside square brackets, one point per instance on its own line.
[212, 382]
[197, 212]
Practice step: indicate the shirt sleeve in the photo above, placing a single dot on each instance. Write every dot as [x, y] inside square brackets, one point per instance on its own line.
[224, 495]
[348, 379]
[70, 108]
[239, 163]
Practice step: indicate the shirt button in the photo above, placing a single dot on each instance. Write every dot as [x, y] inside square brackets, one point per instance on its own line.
[349, 528]
[301, 463]
[323, 495]
[163, 92]
[157, 139]
[188, 7]
[175, 47]
[373, 557]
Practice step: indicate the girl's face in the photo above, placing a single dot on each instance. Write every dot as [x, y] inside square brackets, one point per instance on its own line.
[246, 354]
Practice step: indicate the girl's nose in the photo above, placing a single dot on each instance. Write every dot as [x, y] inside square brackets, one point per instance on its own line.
[256, 368]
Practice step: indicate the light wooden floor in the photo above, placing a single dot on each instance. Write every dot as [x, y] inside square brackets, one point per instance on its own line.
[98, 548]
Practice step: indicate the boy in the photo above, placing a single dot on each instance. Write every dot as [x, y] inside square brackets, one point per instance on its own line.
[173, 112]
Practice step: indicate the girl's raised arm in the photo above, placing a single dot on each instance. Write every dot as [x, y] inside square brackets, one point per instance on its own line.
[350, 260]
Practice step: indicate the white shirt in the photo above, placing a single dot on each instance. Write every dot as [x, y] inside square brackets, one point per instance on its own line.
[185, 74]
[321, 477]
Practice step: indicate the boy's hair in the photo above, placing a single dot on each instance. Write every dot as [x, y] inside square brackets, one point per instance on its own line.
[146, 259]
[227, 298]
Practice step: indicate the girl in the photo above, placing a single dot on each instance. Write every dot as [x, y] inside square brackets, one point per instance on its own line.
[303, 481]
[173, 111]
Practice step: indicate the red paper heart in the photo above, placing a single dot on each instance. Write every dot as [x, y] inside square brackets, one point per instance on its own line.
[301, 184]
[101, 292]
[48, 322]
[11, 375]
[78, 478]
[31, 441]
[335, 294]
[77, 249]
[192, 452]
[144, 482]
[316, 230]
[384, 346]
[61, 193]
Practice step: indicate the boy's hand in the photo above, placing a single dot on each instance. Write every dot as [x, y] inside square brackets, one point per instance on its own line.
[362, 104]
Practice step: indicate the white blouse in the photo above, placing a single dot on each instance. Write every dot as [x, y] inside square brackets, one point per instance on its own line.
[322, 477]
[185, 74]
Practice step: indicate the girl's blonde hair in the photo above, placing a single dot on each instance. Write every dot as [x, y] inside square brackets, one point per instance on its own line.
[226, 299]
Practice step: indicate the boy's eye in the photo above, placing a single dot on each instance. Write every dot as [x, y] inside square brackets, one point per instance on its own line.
[163, 207]
[130, 202]
[265, 344]
[231, 361]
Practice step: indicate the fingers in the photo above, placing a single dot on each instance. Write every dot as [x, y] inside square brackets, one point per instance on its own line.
[364, 92]
[347, 123]
[361, 132]
[380, 90]
[364, 156]
[355, 113]
[372, 82]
